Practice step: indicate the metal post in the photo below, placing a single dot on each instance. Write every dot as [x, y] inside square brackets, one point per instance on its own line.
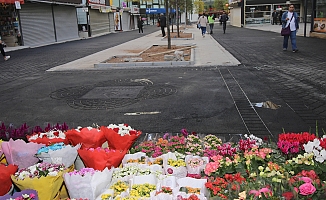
[305, 18]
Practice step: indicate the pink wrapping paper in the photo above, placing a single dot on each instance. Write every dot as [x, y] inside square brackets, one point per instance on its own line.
[20, 153]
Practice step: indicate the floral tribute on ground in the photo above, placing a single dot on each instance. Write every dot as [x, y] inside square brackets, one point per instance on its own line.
[182, 166]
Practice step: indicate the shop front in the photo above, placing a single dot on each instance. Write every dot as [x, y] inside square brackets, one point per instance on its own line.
[10, 31]
[98, 17]
[319, 22]
[48, 22]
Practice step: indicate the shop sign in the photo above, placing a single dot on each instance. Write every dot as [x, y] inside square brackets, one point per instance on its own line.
[134, 10]
[17, 4]
[99, 2]
[105, 9]
[320, 25]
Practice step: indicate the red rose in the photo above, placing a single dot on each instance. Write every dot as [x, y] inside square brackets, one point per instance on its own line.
[288, 195]
[116, 130]
[56, 133]
[170, 171]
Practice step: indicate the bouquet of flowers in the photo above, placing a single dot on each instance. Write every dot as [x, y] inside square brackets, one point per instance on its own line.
[125, 173]
[50, 135]
[87, 183]
[89, 137]
[120, 136]
[5, 180]
[20, 153]
[194, 145]
[174, 166]
[142, 190]
[100, 158]
[58, 154]
[22, 195]
[164, 193]
[191, 186]
[45, 178]
[195, 164]
[139, 158]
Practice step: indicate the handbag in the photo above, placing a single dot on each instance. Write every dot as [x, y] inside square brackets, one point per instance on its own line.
[286, 31]
[158, 24]
[198, 25]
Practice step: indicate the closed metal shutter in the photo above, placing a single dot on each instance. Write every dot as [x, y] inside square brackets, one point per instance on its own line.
[37, 24]
[66, 26]
[111, 21]
[125, 21]
[99, 22]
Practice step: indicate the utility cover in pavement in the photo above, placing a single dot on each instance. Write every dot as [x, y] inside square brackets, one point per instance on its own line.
[113, 92]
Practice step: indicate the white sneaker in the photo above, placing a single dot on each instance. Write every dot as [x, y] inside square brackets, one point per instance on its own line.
[7, 57]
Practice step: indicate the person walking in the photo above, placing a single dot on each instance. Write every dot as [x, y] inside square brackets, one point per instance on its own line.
[280, 17]
[275, 17]
[290, 18]
[224, 19]
[211, 21]
[163, 24]
[140, 24]
[3, 51]
[202, 22]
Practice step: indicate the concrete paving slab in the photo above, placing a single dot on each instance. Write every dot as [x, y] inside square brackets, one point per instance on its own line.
[207, 52]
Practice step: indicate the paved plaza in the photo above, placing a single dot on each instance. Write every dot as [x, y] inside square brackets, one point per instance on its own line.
[233, 74]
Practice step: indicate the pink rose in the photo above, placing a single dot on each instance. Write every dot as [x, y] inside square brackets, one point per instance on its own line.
[305, 179]
[307, 189]
[170, 171]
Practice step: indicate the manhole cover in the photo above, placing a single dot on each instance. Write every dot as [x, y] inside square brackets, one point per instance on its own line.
[113, 92]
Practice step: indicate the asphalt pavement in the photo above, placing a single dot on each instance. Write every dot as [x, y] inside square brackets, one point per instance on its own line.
[233, 74]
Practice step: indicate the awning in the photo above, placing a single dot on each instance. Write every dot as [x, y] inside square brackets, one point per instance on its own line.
[11, 1]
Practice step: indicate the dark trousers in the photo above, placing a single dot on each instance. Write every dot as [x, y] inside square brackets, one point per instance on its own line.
[211, 26]
[163, 31]
[2, 50]
[140, 29]
[224, 26]
[274, 21]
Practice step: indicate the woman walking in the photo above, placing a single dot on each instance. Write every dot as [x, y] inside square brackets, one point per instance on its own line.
[202, 22]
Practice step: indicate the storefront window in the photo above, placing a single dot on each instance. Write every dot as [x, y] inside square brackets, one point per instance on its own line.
[320, 20]
[9, 25]
[258, 14]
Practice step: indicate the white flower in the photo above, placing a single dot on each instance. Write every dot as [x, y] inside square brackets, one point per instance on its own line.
[54, 173]
[25, 196]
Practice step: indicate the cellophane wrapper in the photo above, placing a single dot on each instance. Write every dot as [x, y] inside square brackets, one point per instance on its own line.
[65, 156]
[47, 187]
[5, 177]
[193, 183]
[134, 156]
[19, 194]
[87, 136]
[46, 141]
[100, 160]
[20, 153]
[88, 186]
[178, 172]
[116, 141]
[196, 170]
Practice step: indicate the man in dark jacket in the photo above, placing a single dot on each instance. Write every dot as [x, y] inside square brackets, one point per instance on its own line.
[275, 17]
[224, 18]
[163, 24]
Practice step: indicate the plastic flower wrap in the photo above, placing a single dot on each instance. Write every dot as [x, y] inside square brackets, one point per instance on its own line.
[45, 178]
[195, 164]
[49, 137]
[89, 137]
[138, 158]
[22, 195]
[142, 191]
[120, 136]
[5, 177]
[174, 166]
[20, 153]
[125, 173]
[191, 185]
[87, 183]
[100, 158]
[58, 154]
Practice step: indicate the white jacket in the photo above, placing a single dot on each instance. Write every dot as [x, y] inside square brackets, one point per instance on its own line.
[202, 21]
